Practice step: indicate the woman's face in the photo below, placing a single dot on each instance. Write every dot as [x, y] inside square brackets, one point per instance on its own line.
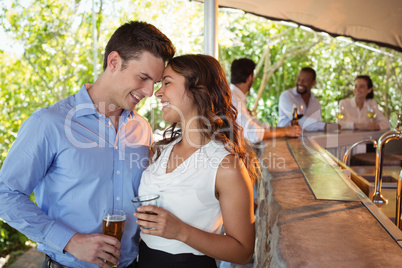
[361, 89]
[177, 104]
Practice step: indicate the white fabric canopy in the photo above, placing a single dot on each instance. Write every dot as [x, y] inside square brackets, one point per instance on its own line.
[376, 21]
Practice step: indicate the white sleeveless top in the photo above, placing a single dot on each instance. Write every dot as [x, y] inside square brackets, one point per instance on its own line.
[188, 192]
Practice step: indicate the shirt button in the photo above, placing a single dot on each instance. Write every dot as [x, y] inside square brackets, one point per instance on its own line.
[117, 198]
[118, 172]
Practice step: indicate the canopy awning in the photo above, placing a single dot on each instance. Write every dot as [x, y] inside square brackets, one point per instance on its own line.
[374, 21]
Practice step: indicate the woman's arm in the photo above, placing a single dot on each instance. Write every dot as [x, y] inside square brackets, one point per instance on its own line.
[367, 126]
[234, 191]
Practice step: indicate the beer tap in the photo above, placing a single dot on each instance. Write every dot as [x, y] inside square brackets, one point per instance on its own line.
[395, 121]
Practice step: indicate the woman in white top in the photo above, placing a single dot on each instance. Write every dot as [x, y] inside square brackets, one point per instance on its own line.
[356, 110]
[203, 173]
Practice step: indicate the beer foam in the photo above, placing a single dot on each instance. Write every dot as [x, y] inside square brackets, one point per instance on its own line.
[114, 218]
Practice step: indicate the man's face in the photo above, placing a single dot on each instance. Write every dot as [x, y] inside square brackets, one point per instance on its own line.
[136, 81]
[304, 82]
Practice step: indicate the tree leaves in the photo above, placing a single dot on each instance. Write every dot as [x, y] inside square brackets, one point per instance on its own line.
[57, 59]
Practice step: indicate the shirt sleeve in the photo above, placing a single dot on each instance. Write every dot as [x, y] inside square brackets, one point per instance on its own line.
[380, 118]
[311, 124]
[26, 164]
[253, 130]
[285, 110]
[312, 120]
[345, 122]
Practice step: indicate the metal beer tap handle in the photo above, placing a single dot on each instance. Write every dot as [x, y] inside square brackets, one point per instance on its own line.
[347, 153]
[398, 204]
[395, 121]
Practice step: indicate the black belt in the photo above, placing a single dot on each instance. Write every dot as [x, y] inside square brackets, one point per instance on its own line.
[49, 263]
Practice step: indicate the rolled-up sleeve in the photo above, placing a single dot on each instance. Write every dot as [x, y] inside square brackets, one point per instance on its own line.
[253, 130]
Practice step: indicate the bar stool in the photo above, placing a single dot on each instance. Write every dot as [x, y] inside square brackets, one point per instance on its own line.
[368, 159]
[392, 156]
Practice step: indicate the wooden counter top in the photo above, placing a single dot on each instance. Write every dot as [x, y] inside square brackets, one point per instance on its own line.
[294, 229]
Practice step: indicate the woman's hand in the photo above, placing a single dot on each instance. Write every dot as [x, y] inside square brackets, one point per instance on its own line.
[160, 223]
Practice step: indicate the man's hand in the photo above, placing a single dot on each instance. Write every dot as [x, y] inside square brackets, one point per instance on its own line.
[293, 131]
[95, 248]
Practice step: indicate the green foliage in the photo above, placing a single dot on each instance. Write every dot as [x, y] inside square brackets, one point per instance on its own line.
[10, 240]
[56, 60]
[339, 62]
[336, 61]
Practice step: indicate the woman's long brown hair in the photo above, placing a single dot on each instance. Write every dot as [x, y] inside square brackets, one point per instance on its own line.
[206, 83]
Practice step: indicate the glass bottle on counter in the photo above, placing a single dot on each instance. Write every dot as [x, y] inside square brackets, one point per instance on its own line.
[295, 117]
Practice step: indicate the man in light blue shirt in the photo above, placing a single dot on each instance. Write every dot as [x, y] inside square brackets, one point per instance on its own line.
[85, 154]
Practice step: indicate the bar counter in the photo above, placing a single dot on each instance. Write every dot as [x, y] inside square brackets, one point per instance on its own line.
[297, 229]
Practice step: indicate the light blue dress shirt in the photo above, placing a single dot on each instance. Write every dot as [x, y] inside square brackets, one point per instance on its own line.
[77, 165]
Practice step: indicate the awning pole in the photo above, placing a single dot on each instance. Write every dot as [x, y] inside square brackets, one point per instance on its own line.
[94, 42]
[211, 27]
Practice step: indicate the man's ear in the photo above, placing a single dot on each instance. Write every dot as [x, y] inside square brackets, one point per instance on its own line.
[250, 78]
[113, 61]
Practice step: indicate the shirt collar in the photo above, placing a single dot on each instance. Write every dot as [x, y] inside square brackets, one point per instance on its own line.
[127, 115]
[239, 94]
[83, 103]
[85, 106]
[353, 102]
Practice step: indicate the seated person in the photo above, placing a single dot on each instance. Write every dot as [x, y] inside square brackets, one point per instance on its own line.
[307, 104]
[356, 110]
[241, 78]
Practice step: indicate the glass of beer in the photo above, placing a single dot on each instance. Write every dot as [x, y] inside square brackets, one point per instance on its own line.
[145, 200]
[114, 221]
